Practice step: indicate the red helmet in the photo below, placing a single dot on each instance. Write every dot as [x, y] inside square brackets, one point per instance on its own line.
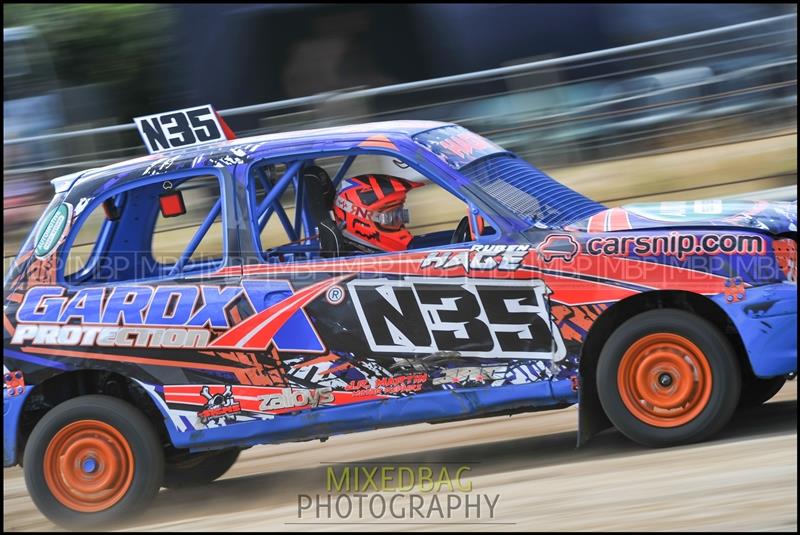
[370, 211]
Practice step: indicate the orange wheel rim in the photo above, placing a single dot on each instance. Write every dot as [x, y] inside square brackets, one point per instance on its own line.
[88, 466]
[664, 380]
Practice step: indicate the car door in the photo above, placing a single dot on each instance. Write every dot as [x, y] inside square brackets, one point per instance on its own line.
[371, 326]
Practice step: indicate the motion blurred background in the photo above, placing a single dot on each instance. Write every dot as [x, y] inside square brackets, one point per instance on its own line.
[706, 107]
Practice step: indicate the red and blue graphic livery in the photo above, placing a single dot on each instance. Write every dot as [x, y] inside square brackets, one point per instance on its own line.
[126, 370]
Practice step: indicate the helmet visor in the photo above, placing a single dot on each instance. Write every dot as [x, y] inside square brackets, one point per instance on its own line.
[392, 219]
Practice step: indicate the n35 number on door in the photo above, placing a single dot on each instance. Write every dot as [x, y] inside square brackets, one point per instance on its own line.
[490, 319]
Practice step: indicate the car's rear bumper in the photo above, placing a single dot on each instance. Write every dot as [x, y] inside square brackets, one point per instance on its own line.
[767, 322]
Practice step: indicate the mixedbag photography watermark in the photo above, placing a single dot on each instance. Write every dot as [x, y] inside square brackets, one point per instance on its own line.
[387, 492]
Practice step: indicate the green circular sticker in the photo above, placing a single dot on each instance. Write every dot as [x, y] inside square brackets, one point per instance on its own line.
[53, 230]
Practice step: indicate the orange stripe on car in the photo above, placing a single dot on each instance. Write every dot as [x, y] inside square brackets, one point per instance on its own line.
[596, 223]
[378, 141]
[618, 220]
[8, 325]
[128, 359]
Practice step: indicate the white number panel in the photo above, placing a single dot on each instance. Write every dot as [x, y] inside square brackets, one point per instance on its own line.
[181, 128]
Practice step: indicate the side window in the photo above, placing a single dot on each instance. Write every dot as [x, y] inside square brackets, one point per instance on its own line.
[162, 229]
[172, 234]
[351, 205]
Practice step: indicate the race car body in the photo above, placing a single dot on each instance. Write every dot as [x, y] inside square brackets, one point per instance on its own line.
[653, 316]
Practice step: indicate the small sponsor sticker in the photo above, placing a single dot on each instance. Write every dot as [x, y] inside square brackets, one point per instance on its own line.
[335, 295]
[53, 230]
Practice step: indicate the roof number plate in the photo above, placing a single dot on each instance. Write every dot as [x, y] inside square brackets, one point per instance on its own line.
[181, 128]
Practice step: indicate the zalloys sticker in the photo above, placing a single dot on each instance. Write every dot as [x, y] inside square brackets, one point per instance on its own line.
[54, 229]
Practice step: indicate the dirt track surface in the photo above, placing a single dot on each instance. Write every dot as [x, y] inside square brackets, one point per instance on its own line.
[744, 479]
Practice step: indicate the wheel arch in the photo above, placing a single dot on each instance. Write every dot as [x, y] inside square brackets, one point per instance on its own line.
[591, 416]
[68, 385]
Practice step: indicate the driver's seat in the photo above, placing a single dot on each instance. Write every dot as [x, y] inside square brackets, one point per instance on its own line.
[319, 196]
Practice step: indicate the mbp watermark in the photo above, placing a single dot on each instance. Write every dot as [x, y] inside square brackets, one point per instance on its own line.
[427, 493]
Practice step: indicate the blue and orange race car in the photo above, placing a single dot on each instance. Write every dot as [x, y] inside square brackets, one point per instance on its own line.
[304, 302]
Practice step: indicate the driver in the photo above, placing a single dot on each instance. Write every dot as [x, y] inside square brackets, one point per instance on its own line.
[371, 214]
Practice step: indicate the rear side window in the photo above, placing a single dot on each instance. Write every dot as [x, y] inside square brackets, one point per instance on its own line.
[161, 229]
[172, 234]
[429, 213]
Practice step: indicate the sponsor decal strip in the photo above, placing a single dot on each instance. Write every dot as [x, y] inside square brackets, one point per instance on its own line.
[400, 264]
[649, 275]
[269, 400]
[680, 246]
[567, 287]
[659, 276]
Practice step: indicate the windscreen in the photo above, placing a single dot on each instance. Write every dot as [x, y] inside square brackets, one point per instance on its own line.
[528, 192]
[517, 185]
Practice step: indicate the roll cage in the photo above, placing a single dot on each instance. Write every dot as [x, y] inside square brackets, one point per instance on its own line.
[243, 219]
[302, 242]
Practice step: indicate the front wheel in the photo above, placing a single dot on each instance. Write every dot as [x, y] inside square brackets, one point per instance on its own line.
[668, 377]
[91, 461]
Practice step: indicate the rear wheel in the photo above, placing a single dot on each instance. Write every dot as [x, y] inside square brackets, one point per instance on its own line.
[192, 469]
[91, 461]
[668, 377]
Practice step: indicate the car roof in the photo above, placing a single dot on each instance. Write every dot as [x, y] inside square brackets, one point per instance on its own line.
[199, 155]
[403, 128]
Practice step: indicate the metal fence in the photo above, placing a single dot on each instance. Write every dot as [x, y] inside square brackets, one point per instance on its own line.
[706, 88]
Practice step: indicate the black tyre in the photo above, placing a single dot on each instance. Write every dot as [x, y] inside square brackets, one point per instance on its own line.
[757, 391]
[93, 461]
[192, 469]
[668, 377]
